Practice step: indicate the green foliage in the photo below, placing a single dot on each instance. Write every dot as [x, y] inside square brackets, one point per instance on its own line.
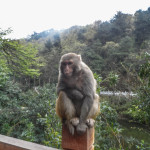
[142, 26]
[141, 146]
[29, 133]
[19, 58]
[107, 47]
[4, 74]
[140, 109]
[94, 59]
[53, 128]
[107, 129]
[30, 115]
[127, 44]
[104, 46]
[113, 79]
[37, 36]
[104, 32]
[98, 79]
[145, 69]
[122, 25]
[48, 45]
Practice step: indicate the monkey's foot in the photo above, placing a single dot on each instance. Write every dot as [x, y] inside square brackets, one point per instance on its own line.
[90, 123]
[81, 128]
[74, 121]
[70, 127]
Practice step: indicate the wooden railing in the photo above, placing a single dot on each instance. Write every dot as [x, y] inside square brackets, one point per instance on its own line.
[69, 142]
[9, 143]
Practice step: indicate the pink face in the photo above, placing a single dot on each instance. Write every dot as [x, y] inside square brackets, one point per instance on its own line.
[67, 68]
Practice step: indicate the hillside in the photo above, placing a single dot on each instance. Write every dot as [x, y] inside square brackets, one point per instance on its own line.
[107, 47]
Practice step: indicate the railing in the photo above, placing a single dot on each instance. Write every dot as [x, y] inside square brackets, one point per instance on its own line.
[69, 142]
[118, 93]
[9, 143]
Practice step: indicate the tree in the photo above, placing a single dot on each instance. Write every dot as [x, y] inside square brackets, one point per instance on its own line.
[20, 58]
[104, 32]
[142, 26]
[91, 55]
[140, 108]
[48, 44]
[122, 25]
[57, 42]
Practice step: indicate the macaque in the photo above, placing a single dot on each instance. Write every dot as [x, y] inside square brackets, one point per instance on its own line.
[77, 104]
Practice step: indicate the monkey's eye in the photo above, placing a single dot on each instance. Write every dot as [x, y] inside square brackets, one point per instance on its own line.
[67, 63]
[70, 63]
[64, 63]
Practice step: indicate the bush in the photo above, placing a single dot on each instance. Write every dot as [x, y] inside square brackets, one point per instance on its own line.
[140, 109]
[107, 129]
[29, 115]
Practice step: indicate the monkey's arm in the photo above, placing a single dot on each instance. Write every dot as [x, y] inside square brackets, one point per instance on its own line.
[71, 93]
[60, 87]
[89, 95]
[85, 110]
[86, 107]
[74, 94]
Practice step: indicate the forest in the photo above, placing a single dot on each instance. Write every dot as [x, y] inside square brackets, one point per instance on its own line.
[118, 53]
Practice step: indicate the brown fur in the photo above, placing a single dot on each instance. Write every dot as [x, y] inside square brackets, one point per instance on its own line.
[82, 107]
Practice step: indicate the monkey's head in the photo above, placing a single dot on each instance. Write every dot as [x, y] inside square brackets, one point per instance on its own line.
[70, 64]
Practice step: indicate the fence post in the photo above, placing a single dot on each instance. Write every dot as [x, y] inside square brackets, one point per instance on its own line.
[77, 142]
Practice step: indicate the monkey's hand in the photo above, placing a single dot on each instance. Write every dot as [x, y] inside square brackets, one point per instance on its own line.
[74, 121]
[90, 122]
[74, 94]
[81, 128]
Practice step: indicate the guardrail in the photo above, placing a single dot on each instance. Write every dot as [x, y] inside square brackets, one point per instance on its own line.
[111, 93]
[9, 143]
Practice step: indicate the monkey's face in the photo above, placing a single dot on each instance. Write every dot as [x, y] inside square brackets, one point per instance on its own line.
[70, 64]
[67, 68]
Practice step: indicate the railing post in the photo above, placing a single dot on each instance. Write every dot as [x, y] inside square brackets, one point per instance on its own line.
[77, 142]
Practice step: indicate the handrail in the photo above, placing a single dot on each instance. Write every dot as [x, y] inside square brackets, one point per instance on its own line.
[9, 143]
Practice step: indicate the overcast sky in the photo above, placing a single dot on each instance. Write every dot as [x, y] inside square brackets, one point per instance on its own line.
[26, 16]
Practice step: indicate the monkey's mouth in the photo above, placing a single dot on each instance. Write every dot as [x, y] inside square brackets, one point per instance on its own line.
[68, 74]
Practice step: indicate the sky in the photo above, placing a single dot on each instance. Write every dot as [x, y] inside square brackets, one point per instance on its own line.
[26, 16]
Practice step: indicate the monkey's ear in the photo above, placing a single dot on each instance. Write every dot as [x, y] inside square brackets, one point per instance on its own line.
[79, 57]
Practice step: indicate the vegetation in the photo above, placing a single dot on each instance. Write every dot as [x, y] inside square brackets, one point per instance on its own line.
[140, 108]
[118, 50]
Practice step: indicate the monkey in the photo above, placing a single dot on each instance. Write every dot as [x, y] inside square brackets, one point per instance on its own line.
[77, 104]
